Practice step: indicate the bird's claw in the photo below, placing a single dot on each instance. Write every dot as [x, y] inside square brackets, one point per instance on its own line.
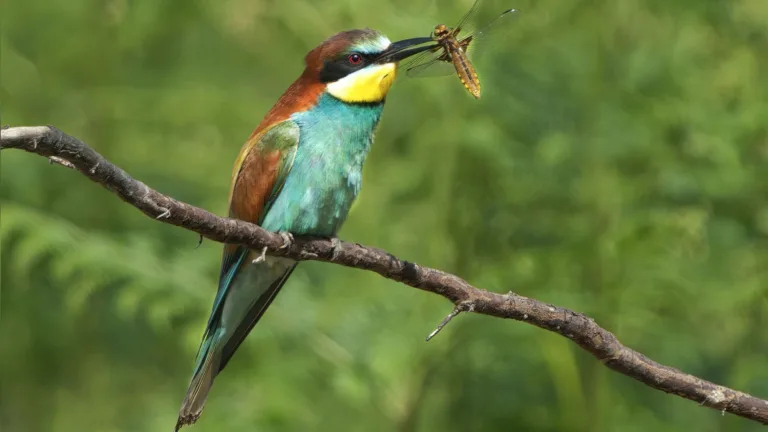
[262, 257]
[287, 239]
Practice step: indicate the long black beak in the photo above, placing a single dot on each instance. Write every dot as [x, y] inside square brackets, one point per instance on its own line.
[400, 50]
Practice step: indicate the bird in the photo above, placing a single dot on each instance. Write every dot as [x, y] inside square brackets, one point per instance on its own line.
[298, 173]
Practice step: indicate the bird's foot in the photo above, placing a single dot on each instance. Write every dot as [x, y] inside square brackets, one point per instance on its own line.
[287, 239]
[165, 214]
[262, 257]
[335, 248]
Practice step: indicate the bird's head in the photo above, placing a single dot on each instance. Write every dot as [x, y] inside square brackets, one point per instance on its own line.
[359, 66]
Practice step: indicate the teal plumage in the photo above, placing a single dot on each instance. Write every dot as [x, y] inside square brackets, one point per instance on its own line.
[327, 172]
[299, 172]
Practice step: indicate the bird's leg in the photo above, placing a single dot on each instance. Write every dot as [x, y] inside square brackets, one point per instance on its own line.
[262, 257]
[287, 239]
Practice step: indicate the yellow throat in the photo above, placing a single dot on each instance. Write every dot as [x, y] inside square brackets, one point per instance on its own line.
[370, 84]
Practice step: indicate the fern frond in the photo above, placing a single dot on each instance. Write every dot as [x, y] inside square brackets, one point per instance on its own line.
[84, 262]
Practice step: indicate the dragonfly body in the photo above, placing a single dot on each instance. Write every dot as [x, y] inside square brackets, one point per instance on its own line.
[454, 51]
[453, 48]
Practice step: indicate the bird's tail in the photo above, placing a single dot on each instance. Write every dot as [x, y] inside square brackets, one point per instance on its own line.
[248, 291]
[206, 369]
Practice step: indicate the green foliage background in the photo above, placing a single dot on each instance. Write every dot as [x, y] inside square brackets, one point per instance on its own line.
[616, 165]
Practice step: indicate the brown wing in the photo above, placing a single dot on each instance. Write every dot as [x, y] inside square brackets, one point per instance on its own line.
[263, 163]
[259, 174]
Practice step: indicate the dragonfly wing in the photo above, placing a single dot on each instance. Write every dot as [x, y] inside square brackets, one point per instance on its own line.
[477, 43]
[434, 68]
[429, 64]
[466, 20]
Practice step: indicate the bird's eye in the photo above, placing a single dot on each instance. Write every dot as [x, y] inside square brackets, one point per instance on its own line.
[355, 59]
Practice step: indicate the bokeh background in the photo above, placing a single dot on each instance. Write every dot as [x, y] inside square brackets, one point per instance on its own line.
[616, 165]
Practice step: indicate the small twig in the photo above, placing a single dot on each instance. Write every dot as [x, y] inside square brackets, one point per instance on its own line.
[200, 241]
[61, 161]
[461, 307]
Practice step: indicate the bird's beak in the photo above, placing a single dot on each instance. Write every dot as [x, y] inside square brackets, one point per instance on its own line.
[403, 49]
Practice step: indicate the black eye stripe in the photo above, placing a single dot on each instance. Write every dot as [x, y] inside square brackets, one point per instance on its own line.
[341, 66]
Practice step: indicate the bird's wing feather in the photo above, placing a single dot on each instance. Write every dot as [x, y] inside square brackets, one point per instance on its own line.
[252, 317]
[259, 175]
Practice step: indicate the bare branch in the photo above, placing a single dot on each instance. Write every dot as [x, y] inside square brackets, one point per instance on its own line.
[582, 330]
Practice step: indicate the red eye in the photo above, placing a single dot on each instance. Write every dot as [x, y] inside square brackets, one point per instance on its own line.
[355, 59]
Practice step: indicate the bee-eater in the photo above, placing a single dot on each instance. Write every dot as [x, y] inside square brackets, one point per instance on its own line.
[298, 173]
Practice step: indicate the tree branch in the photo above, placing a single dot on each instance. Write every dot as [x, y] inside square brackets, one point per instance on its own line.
[69, 151]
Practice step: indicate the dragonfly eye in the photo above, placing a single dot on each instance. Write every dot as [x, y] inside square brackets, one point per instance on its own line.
[355, 59]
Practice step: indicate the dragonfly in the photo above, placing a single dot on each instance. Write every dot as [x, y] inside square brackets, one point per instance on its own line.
[451, 51]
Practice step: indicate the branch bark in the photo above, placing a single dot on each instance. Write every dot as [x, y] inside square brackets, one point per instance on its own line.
[68, 151]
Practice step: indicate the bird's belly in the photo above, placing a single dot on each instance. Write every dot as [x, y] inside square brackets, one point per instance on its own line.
[315, 203]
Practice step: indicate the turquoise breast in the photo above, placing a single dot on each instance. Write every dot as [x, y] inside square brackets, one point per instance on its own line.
[326, 176]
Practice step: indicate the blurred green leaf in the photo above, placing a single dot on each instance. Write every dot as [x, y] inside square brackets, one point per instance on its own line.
[615, 165]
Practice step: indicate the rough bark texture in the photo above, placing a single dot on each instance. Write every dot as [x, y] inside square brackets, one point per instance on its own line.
[68, 151]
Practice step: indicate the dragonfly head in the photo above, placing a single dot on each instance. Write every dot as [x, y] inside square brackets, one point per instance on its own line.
[441, 31]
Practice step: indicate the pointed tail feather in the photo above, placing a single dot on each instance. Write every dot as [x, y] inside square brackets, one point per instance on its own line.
[207, 368]
[236, 311]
